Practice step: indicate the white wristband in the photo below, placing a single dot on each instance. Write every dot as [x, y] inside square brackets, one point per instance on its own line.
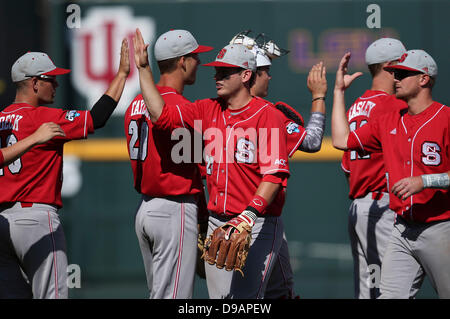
[436, 181]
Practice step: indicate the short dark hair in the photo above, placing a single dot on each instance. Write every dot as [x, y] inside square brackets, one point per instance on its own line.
[375, 69]
[431, 83]
[21, 85]
[169, 65]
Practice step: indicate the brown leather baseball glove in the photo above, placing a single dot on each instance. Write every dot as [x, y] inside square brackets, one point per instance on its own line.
[229, 244]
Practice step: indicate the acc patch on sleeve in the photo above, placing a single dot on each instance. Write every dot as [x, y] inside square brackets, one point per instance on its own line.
[292, 128]
[71, 115]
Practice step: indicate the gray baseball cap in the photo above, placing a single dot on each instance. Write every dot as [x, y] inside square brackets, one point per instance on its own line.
[175, 43]
[416, 60]
[34, 64]
[384, 50]
[235, 56]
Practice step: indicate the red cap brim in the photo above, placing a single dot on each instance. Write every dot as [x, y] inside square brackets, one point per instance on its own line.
[202, 48]
[401, 67]
[221, 64]
[57, 71]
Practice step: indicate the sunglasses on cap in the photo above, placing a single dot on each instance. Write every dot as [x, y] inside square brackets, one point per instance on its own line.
[43, 77]
[402, 74]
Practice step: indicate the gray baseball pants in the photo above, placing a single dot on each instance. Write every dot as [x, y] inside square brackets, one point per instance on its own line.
[370, 225]
[33, 260]
[166, 229]
[267, 237]
[416, 250]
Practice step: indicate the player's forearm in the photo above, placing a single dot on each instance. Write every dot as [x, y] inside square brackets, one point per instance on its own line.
[264, 196]
[150, 93]
[268, 191]
[13, 152]
[339, 124]
[116, 87]
[101, 111]
[319, 104]
[314, 133]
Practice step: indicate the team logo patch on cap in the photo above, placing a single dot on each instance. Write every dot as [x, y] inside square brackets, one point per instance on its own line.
[71, 115]
[292, 128]
[403, 57]
[221, 54]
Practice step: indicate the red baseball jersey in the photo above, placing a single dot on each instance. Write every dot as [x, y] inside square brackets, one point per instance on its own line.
[36, 177]
[1, 159]
[150, 151]
[412, 145]
[241, 147]
[367, 173]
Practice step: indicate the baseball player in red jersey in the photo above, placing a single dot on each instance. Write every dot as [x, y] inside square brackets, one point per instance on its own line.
[281, 282]
[246, 162]
[370, 220]
[33, 260]
[166, 221]
[416, 145]
[43, 134]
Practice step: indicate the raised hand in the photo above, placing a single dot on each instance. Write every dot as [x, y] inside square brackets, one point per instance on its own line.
[344, 80]
[140, 50]
[124, 66]
[317, 81]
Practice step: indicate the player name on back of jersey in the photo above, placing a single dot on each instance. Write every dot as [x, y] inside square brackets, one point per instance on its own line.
[138, 108]
[361, 108]
[10, 122]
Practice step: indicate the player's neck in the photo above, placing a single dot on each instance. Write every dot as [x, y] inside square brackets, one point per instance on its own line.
[238, 100]
[26, 98]
[419, 103]
[381, 84]
[175, 82]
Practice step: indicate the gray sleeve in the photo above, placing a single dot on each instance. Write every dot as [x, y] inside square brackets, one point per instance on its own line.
[314, 133]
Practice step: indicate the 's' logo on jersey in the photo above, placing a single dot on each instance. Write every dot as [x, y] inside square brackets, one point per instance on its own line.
[245, 152]
[292, 128]
[431, 154]
[71, 115]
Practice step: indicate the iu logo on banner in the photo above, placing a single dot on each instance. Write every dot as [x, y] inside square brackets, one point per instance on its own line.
[96, 52]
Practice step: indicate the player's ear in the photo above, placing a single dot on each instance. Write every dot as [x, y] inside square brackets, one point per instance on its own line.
[423, 79]
[182, 63]
[34, 84]
[246, 75]
[426, 81]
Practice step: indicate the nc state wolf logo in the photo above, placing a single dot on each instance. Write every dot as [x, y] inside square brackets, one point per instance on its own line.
[96, 52]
